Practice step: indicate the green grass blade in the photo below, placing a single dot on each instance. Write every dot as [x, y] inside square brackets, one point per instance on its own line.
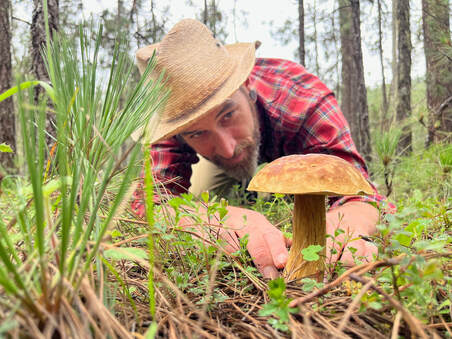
[27, 84]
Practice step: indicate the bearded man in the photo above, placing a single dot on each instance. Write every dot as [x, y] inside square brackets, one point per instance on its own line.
[228, 112]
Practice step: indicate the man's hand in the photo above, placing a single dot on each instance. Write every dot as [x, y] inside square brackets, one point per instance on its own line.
[266, 244]
[356, 219]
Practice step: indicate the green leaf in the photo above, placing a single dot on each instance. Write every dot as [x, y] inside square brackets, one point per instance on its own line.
[205, 196]
[444, 304]
[54, 185]
[309, 284]
[268, 309]
[338, 231]
[276, 288]
[152, 331]
[310, 253]
[116, 233]
[376, 305]
[126, 253]
[352, 249]
[5, 148]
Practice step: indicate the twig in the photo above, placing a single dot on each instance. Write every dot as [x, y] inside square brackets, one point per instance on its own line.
[246, 315]
[307, 323]
[442, 324]
[446, 325]
[21, 20]
[395, 327]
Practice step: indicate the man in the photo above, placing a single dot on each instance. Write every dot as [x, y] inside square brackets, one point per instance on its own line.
[236, 112]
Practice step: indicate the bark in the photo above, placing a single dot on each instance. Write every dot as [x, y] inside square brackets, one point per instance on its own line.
[438, 58]
[7, 129]
[205, 13]
[361, 91]
[404, 76]
[315, 39]
[347, 68]
[354, 94]
[337, 48]
[38, 43]
[154, 23]
[213, 18]
[384, 119]
[393, 92]
[301, 38]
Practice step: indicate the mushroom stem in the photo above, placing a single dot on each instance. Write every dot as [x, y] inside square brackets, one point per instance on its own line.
[309, 228]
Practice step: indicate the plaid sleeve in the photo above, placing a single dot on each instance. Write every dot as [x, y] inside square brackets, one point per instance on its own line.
[171, 167]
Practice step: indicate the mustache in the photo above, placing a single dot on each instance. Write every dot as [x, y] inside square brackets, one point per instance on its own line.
[248, 144]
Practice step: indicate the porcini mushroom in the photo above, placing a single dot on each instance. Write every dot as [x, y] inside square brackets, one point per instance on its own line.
[310, 178]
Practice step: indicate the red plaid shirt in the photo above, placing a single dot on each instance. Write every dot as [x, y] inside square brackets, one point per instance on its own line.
[298, 115]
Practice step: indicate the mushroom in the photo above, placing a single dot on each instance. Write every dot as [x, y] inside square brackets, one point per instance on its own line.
[310, 178]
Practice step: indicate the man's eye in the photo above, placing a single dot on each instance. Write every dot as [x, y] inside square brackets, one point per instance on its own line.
[195, 135]
[228, 115]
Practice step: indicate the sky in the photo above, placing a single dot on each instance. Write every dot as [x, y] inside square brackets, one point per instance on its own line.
[259, 13]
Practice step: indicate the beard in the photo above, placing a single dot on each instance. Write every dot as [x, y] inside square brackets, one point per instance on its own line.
[245, 169]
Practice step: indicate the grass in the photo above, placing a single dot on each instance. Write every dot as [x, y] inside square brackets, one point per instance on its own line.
[76, 262]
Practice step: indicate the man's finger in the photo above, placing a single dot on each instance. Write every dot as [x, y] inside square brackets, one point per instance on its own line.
[277, 244]
[270, 272]
[261, 255]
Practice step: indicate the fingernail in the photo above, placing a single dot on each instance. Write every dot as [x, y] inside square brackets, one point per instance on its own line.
[270, 272]
[281, 260]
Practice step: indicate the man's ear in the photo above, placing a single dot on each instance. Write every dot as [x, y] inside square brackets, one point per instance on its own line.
[253, 95]
[251, 92]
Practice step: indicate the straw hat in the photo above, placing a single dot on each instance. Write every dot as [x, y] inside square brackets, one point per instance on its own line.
[200, 72]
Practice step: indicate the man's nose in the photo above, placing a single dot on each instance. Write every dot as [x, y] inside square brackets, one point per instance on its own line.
[224, 144]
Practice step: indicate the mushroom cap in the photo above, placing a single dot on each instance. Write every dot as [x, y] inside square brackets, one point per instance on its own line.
[310, 174]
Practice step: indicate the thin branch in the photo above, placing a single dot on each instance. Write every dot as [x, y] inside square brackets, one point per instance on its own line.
[21, 20]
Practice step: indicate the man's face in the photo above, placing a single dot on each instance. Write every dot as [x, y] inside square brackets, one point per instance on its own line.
[229, 135]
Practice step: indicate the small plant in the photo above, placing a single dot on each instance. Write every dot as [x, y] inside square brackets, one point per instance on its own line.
[421, 279]
[386, 149]
[278, 307]
[445, 158]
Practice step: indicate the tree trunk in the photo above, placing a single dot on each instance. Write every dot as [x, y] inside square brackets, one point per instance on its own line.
[384, 117]
[354, 94]
[301, 42]
[337, 47]
[315, 39]
[7, 129]
[38, 43]
[395, 49]
[438, 58]
[404, 76]
[205, 14]
[347, 62]
[361, 91]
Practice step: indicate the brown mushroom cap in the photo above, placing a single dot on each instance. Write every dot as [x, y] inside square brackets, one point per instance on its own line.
[310, 174]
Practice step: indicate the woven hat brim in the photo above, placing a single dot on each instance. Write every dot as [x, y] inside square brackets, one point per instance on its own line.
[243, 55]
